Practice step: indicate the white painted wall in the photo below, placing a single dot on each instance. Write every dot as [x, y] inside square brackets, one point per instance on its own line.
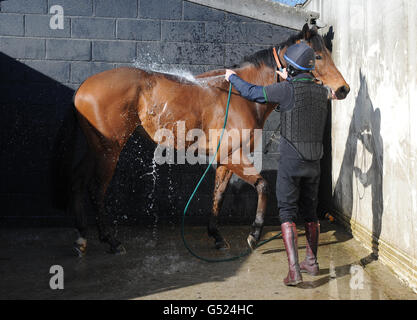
[375, 48]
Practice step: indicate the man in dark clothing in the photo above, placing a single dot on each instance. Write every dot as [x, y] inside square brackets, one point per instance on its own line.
[303, 107]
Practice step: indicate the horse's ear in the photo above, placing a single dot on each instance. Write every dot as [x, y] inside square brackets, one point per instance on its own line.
[306, 32]
[328, 38]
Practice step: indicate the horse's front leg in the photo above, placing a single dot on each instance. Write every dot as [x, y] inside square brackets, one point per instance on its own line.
[261, 186]
[247, 172]
[223, 176]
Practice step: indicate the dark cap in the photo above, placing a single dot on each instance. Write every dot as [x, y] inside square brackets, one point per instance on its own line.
[301, 57]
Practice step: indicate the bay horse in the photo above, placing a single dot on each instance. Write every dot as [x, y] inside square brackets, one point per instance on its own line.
[111, 105]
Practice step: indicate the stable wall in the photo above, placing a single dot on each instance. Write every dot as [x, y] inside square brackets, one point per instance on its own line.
[374, 137]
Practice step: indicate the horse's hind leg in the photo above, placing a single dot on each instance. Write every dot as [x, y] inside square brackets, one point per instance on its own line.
[223, 176]
[105, 166]
[79, 183]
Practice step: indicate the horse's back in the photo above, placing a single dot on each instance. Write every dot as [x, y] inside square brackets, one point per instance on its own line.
[110, 79]
[107, 100]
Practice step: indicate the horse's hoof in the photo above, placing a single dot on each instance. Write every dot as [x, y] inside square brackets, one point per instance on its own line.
[222, 245]
[252, 242]
[80, 247]
[118, 251]
[80, 251]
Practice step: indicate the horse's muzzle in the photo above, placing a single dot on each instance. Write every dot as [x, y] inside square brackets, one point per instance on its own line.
[342, 92]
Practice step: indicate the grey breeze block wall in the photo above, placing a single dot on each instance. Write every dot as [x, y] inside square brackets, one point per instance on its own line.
[41, 68]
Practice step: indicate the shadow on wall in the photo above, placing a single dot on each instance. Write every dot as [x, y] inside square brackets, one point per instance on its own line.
[356, 173]
[38, 152]
[32, 107]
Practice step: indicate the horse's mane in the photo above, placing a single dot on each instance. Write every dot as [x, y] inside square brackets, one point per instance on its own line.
[266, 56]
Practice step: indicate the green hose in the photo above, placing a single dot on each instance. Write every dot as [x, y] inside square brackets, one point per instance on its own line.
[246, 253]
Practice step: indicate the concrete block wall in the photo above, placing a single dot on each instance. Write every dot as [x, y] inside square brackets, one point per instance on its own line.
[41, 68]
[170, 32]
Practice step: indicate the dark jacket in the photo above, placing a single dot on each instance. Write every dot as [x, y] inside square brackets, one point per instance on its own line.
[281, 93]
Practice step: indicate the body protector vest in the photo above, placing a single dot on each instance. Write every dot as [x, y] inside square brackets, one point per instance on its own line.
[303, 126]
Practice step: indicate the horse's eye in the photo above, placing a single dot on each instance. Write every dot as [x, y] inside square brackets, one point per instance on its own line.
[319, 57]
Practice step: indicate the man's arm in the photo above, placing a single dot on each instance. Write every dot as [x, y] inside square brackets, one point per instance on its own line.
[247, 90]
[253, 92]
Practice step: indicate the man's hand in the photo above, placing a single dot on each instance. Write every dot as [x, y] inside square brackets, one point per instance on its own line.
[228, 74]
[283, 74]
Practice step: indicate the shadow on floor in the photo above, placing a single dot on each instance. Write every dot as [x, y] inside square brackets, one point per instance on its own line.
[156, 261]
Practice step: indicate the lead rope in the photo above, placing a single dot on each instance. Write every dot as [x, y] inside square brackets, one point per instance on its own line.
[244, 254]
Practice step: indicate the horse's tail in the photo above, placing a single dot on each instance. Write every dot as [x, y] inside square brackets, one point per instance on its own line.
[62, 159]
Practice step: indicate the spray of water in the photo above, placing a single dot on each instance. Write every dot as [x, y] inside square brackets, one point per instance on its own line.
[146, 64]
[171, 190]
[150, 210]
[157, 64]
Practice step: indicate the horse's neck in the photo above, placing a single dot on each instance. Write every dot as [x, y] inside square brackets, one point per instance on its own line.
[262, 76]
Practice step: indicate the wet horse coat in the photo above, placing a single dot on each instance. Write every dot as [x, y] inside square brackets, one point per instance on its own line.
[112, 104]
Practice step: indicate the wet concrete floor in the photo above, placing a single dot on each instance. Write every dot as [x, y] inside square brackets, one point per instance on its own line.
[157, 266]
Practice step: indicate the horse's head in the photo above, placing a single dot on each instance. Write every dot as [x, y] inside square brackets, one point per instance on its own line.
[325, 69]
